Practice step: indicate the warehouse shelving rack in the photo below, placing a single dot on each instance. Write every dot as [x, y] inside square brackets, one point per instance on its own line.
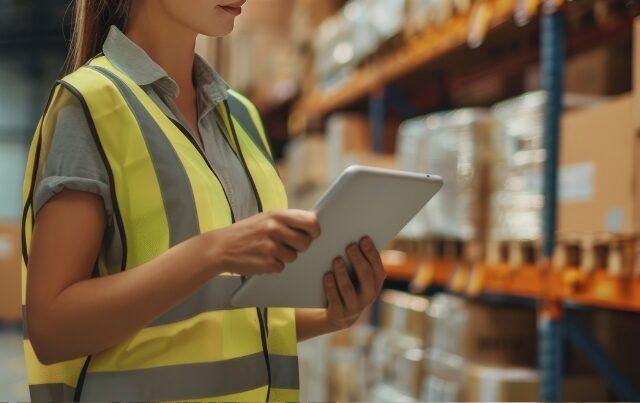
[554, 292]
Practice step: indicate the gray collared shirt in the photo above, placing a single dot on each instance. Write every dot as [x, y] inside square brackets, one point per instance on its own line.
[73, 161]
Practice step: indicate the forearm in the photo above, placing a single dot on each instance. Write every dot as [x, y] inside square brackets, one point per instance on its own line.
[94, 314]
[311, 323]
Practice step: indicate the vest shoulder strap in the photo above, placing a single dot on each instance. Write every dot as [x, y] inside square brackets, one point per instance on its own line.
[246, 113]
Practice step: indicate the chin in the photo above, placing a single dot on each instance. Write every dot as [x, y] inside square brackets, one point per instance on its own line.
[220, 29]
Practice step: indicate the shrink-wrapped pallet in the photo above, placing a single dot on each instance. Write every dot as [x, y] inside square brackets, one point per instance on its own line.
[517, 163]
[444, 357]
[518, 157]
[453, 145]
[343, 40]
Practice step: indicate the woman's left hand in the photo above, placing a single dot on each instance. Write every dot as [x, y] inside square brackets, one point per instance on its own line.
[346, 301]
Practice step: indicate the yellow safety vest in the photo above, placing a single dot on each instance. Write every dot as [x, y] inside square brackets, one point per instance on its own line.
[165, 192]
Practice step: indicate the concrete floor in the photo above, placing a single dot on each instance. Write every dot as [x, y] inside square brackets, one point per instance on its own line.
[13, 379]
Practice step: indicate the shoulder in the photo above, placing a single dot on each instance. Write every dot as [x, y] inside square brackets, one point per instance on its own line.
[242, 101]
[85, 82]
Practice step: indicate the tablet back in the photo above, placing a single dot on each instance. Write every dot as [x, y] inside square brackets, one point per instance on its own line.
[363, 201]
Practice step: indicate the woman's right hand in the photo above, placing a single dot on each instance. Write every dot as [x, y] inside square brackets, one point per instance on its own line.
[263, 243]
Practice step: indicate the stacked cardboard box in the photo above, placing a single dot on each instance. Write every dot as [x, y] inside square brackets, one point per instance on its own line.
[454, 145]
[600, 170]
[521, 384]
[517, 166]
[348, 137]
[601, 71]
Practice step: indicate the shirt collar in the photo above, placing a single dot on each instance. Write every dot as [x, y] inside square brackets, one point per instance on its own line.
[132, 60]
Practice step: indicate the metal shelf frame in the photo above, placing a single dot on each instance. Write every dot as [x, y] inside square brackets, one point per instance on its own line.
[555, 325]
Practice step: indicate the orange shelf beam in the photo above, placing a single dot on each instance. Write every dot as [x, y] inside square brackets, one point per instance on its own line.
[570, 285]
[419, 51]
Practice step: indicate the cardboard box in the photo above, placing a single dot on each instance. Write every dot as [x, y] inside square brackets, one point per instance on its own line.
[500, 384]
[512, 384]
[500, 335]
[10, 304]
[347, 134]
[601, 71]
[306, 160]
[600, 170]
[405, 314]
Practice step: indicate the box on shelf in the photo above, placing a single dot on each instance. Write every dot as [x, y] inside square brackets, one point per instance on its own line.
[517, 165]
[454, 145]
[306, 163]
[601, 71]
[521, 384]
[444, 376]
[10, 304]
[600, 170]
[409, 372]
[500, 335]
[404, 327]
[348, 134]
[306, 16]
[405, 314]
[500, 384]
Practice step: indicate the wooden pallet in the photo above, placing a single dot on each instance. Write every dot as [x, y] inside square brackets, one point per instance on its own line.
[619, 255]
[514, 254]
[441, 249]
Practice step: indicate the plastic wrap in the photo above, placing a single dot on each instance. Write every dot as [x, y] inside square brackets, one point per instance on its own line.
[518, 158]
[343, 40]
[387, 16]
[453, 145]
[443, 362]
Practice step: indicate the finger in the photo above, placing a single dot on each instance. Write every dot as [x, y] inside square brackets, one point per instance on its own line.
[372, 255]
[273, 266]
[364, 272]
[345, 286]
[296, 239]
[306, 221]
[334, 303]
[285, 254]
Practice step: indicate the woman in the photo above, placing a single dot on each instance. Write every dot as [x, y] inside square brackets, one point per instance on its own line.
[150, 192]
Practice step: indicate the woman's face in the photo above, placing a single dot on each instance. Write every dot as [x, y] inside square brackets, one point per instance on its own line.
[206, 17]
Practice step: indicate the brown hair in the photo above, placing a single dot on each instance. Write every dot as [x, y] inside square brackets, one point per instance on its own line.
[92, 19]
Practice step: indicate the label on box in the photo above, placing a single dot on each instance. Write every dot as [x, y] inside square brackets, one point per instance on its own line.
[576, 182]
[615, 219]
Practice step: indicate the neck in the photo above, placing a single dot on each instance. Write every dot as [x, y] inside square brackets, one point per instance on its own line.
[169, 44]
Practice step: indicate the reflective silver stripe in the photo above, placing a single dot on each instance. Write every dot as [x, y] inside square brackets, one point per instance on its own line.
[213, 296]
[175, 187]
[240, 112]
[177, 382]
[284, 371]
[51, 392]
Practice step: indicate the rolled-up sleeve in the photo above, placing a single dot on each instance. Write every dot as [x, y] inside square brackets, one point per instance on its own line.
[72, 161]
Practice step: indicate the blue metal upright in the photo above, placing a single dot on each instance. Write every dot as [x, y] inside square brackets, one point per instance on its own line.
[550, 334]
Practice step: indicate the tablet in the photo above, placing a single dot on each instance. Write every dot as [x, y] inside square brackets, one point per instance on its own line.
[362, 201]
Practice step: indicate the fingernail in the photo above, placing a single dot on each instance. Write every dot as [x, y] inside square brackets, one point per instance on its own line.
[352, 248]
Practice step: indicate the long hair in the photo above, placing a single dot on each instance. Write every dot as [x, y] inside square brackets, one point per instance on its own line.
[92, 19]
